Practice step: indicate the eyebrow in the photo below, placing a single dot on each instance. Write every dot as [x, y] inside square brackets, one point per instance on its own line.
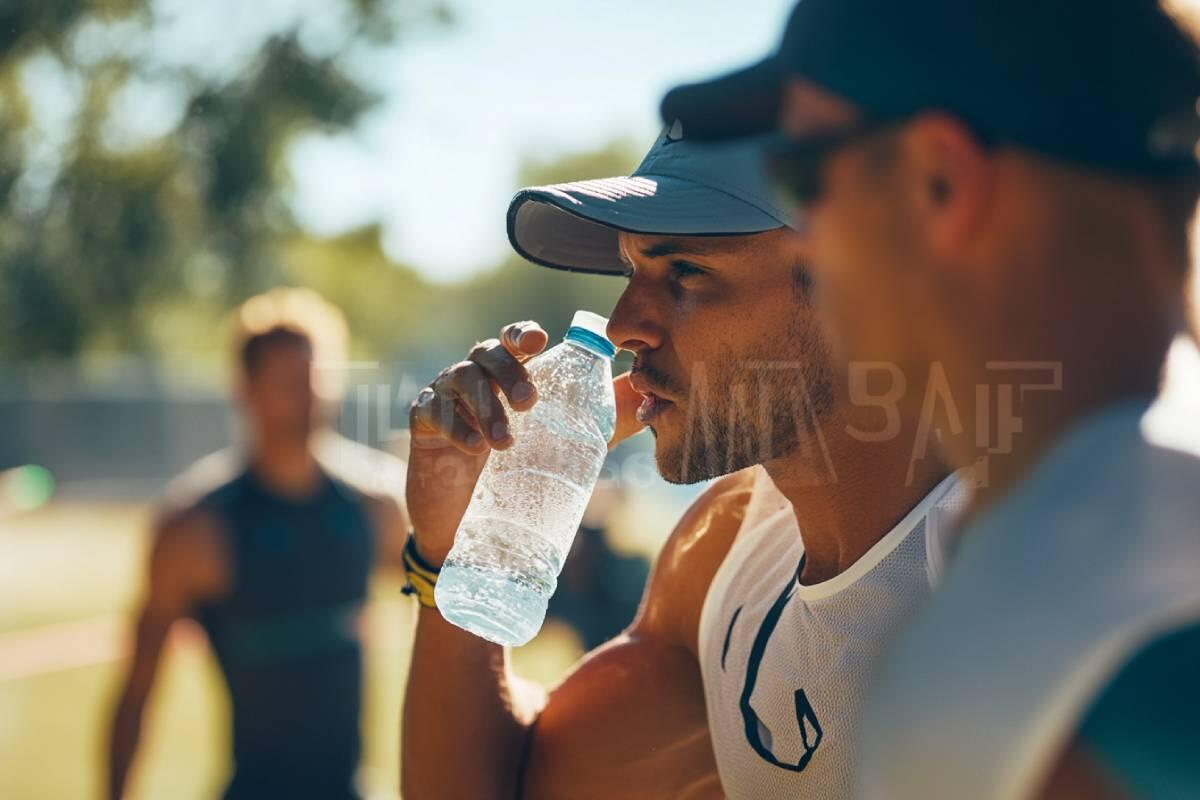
[713, 245]
[660, 250]
[672, 248]
[708, 245]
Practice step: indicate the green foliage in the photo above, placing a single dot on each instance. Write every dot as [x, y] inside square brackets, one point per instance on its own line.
[519, 290]
[394, 314]
[616, 158]
[386, 304]
[98, 236]
[144, 244]
[45, 20]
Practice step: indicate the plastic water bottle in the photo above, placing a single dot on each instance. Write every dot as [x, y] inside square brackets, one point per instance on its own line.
[529, 501]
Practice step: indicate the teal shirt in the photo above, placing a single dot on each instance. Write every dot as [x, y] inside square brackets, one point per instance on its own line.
[1145, 727]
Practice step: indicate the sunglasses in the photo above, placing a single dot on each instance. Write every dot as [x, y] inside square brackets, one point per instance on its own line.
[796, 167]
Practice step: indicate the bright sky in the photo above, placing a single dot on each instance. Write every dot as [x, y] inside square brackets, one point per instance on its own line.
[438, 163]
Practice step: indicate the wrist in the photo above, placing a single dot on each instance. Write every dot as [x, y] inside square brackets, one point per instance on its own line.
[433, 556]
[420, 573]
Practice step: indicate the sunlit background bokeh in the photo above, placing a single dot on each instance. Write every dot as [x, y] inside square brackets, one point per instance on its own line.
[162, 160]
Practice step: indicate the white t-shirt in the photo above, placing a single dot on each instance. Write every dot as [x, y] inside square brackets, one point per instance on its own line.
[786, 666]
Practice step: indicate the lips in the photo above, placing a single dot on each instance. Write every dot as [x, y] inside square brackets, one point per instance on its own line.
[653, 403]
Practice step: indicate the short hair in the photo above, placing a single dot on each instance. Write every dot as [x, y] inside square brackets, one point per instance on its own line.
[289, 315]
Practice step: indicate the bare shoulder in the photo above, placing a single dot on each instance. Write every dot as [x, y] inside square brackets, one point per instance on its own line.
[190, 551]
[691, 557]
[378, 479]
[189, 555]
[368, 470]
[205, 477]
[378, 476]
[706, 530]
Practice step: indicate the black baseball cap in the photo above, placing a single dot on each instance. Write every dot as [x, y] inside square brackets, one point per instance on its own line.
[1112, 84]
[681, 188]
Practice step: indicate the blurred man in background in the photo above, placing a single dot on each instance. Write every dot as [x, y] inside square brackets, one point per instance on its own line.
[270, 550]
[1005, 190]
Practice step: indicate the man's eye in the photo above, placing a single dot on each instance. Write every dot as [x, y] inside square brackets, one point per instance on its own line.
[682, 269]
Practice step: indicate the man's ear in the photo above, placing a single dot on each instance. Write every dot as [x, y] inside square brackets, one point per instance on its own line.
[952, 179]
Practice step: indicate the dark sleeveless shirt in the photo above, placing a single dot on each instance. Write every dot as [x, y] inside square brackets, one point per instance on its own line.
[286, 638]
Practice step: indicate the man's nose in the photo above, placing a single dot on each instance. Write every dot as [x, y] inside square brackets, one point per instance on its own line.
[636, 323]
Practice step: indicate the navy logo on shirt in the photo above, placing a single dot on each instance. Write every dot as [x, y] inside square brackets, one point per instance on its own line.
[757, 734]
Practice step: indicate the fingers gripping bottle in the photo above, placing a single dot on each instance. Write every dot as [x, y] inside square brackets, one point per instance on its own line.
[529, 501]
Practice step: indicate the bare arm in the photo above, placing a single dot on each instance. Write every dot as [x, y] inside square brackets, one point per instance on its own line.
[466, 716]
[182, 566]
[629, 721]
[634, 709]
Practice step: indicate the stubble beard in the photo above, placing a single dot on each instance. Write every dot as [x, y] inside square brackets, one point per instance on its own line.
[746, 409]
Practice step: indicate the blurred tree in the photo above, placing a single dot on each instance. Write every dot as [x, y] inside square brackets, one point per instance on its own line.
[105, 220]
[119, 235]
[396, 315]
[387, 304]
[518, 290]
[399, 317]
[618, 157]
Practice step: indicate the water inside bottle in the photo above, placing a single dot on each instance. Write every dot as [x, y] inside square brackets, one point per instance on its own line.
[529, 501]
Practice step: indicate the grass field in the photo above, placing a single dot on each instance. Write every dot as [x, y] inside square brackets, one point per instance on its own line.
[69, 577]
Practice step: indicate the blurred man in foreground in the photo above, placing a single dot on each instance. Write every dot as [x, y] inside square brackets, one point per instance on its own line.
[743, 673]
[1004, 190]
[270, 550]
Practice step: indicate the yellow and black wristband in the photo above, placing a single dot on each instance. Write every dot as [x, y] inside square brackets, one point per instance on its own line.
[422, 576]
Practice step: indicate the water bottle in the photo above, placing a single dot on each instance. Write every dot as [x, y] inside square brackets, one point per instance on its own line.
[529, 501]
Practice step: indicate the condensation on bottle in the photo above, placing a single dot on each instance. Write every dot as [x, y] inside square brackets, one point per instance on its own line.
[529, 500]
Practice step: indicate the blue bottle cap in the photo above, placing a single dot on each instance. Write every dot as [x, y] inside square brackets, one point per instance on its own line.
[588, 329]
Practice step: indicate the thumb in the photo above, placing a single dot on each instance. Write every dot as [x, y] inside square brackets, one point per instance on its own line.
[524, 339]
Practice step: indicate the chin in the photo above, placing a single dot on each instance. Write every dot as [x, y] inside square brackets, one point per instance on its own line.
[667, 459]
[681, 468]
[672, 472]
[671, 467]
